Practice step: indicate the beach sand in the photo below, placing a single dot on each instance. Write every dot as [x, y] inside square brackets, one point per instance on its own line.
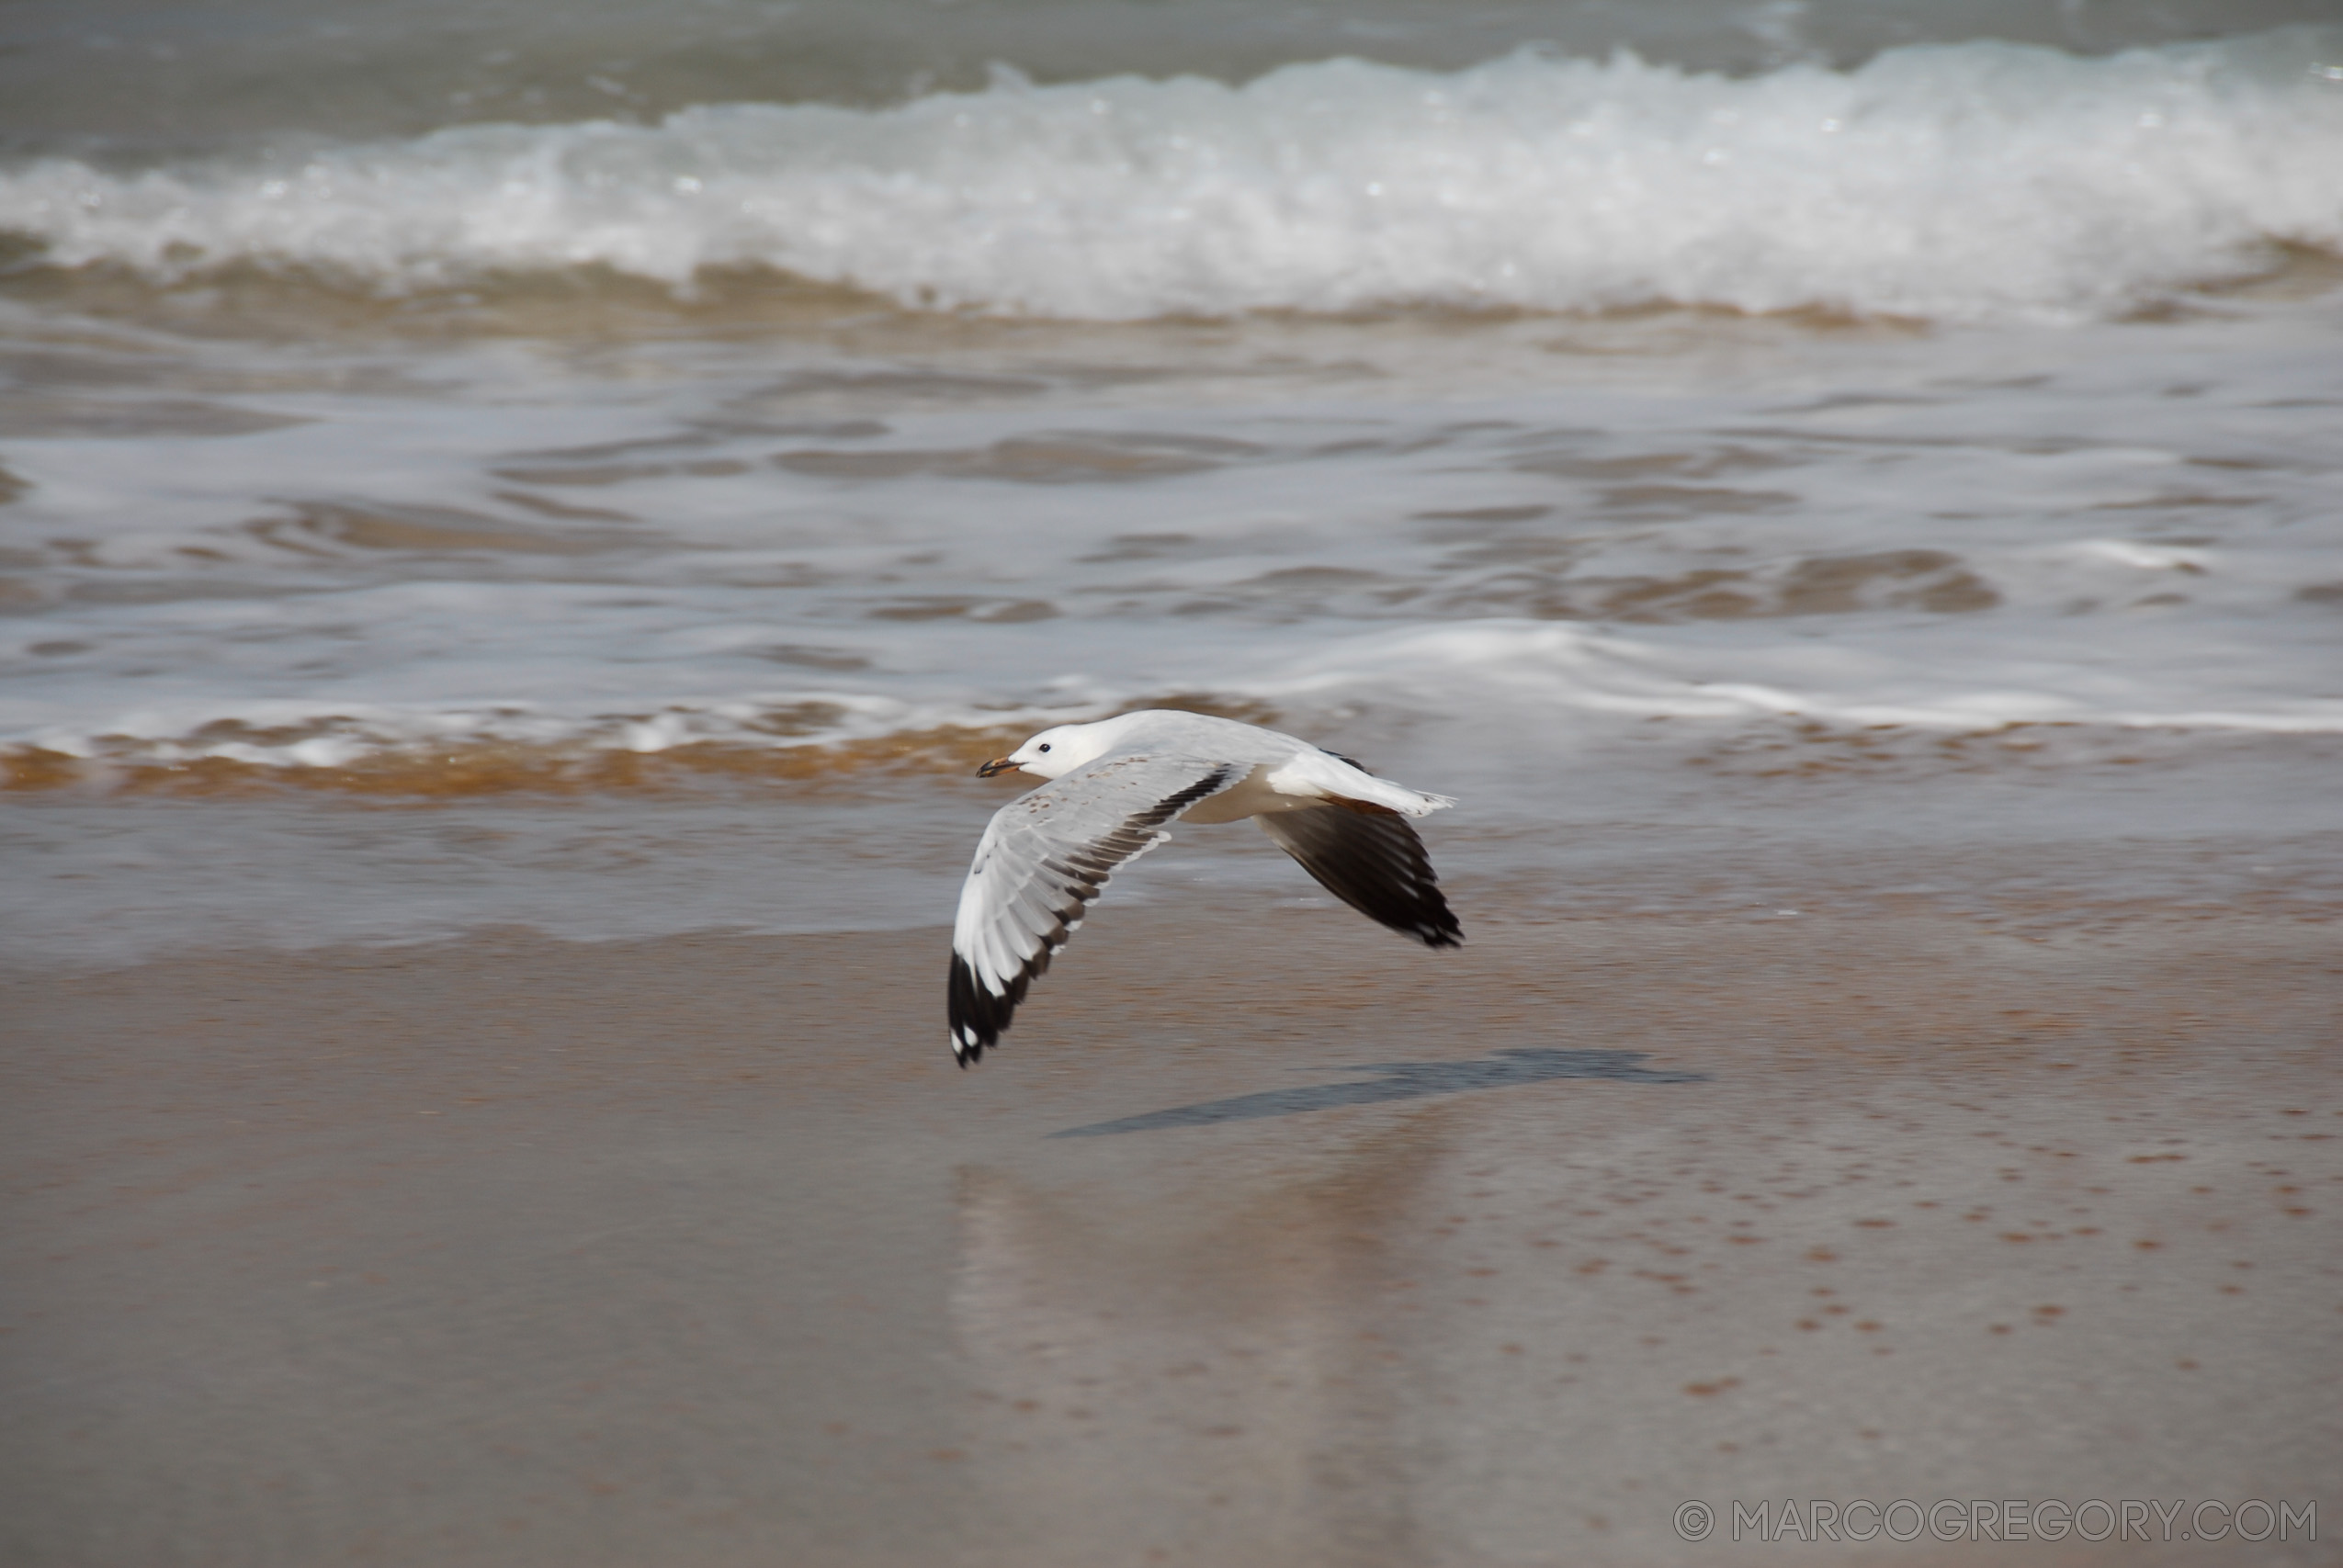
[699, 1251]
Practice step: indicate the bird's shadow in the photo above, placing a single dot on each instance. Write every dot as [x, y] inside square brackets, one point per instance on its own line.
[1402, 1080]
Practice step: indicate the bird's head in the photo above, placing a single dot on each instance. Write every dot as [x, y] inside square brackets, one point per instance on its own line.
[1054, 753]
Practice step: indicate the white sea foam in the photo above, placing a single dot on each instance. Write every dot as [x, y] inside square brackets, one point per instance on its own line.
[1928, 678]
[1962, 182]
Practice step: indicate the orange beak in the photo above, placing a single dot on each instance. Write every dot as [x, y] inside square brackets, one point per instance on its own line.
[998, 765]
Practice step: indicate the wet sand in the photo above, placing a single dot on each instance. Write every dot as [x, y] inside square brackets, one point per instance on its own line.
[698, 1251]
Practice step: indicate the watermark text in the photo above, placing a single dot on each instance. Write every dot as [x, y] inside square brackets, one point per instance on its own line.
[1818, 1519]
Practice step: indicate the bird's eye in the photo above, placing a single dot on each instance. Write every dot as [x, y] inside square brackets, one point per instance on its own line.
[1043, 747]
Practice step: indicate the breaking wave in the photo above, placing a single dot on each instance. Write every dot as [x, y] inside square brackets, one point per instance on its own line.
[1964, 182]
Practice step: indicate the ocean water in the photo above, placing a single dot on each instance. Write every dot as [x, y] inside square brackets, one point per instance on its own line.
[613, 468]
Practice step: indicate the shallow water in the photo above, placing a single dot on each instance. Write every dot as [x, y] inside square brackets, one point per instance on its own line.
[654, 491]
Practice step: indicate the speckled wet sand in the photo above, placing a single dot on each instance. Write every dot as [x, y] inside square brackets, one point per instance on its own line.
[698, 1251]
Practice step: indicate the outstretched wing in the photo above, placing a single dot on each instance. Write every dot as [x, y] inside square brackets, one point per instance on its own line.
[1372, 860]
[1044, 857]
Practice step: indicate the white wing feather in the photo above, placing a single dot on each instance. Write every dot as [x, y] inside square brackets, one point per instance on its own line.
[1043, 857]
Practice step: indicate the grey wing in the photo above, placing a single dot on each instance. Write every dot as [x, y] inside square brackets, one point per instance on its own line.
[1372, 860]
[1043, 857]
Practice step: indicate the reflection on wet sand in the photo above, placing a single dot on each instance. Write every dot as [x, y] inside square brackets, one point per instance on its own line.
[1210, 1377]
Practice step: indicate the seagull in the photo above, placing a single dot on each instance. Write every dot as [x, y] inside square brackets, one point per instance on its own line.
[1114, 784]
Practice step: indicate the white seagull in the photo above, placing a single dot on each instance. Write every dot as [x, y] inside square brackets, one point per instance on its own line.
[1114, 784]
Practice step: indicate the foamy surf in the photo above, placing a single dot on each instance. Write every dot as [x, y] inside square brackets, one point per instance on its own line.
[1948, 182]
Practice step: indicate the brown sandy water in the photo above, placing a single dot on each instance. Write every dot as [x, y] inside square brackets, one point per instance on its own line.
[697, 1251]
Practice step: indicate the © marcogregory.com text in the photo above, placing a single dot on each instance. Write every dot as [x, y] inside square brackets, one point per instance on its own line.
[1950, 1519]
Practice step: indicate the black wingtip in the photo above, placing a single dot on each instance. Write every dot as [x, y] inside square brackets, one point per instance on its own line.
[1375, 863]
[1433, 925]
[976, 1015]
[1438, 924]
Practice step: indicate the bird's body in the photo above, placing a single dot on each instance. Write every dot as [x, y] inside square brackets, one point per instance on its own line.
[1114, 784]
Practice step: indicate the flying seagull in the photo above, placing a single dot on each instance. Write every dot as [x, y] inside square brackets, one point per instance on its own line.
[1114, 784]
